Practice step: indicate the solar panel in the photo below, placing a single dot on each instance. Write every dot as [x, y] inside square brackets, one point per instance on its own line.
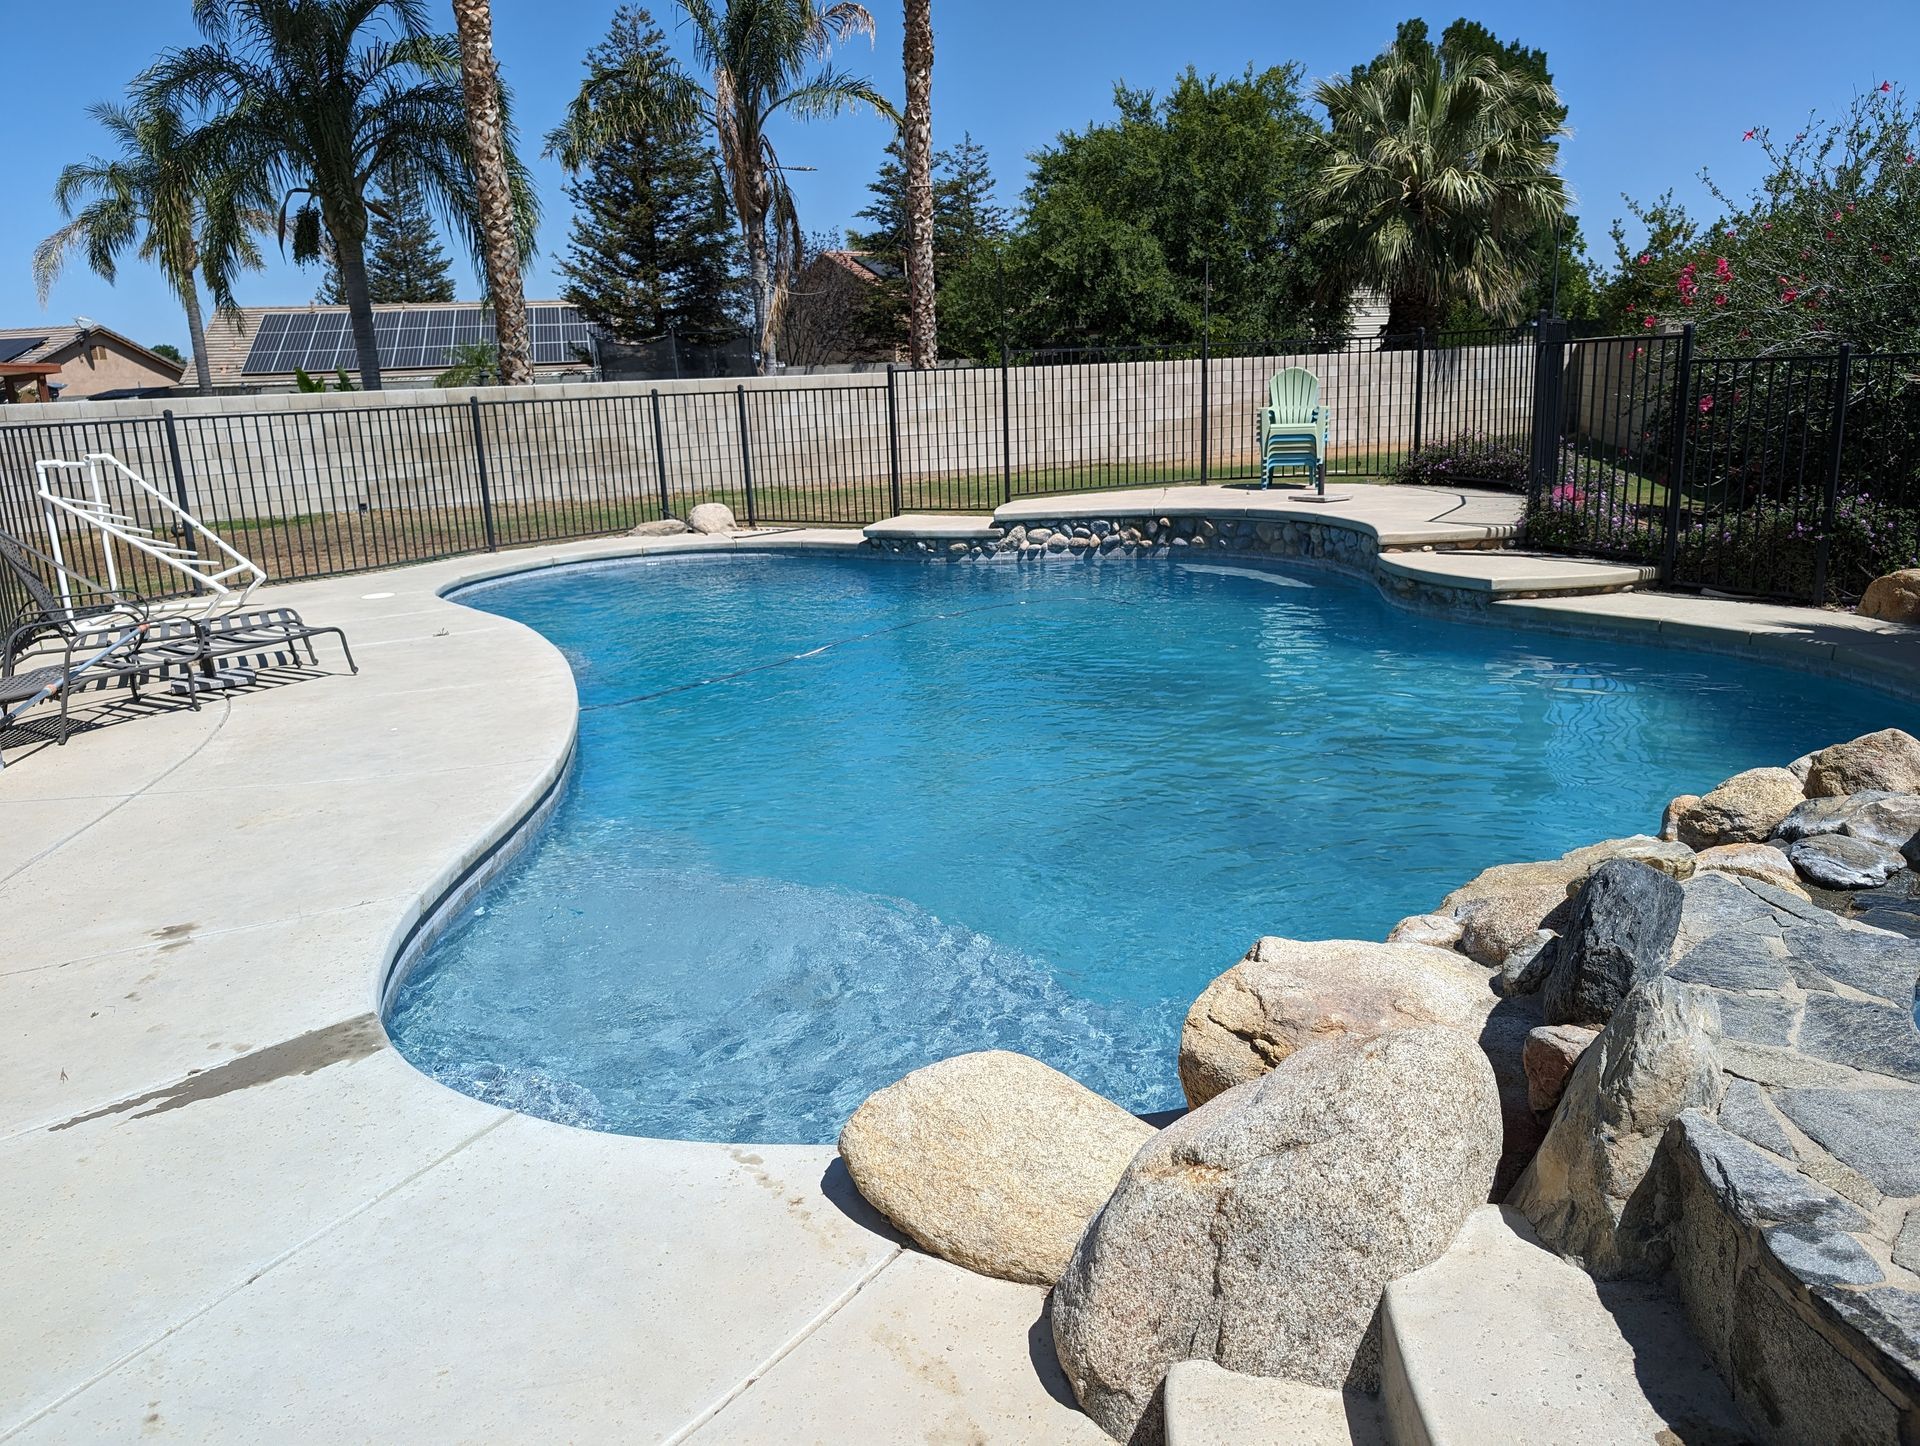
[322, 341]
[18, 346]
[266, 343]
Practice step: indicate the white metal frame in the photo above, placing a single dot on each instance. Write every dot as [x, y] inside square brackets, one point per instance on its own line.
[222, 576]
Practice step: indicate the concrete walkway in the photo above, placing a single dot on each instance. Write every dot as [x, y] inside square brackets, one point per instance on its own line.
[233, 1211]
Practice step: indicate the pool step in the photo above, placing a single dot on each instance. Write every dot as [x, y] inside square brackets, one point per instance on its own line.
[1502, 1340]
[1208, 1406]
[1507, 573]
[1498, 1340]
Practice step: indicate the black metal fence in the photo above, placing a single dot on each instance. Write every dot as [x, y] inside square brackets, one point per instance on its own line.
[364, 482]
[1795, 477]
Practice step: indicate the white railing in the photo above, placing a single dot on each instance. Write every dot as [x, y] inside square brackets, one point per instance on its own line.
[220, 576]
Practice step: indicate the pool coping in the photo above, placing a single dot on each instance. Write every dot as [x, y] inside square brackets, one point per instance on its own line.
[225, 1309]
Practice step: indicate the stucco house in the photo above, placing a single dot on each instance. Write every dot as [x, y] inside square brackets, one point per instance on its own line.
[77, 363]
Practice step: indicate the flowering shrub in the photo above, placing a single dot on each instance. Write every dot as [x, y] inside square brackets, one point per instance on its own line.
[1823, 250]
[1592, 509]
[1473, 458]
[1774, 547]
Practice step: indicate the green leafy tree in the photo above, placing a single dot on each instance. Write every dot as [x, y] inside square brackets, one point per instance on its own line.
[471, 364]
[168, 350]
[761, 58]
[313, 101]
[653, 248]
[1437, 178]
[1125, 221]
[965, 217]
[151, 199]
[404, 259]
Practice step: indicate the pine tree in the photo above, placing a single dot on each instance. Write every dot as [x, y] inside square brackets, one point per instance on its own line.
[653, 248]
[404, 259]
[965, 215]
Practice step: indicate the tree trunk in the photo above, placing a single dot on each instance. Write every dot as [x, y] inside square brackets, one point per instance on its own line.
[499, 236]
[1407, 313]
[197, 335]
[923, 341]
[760, 268]
[349, 254]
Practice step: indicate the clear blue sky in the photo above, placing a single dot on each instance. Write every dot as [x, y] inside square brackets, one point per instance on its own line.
[1656, 91]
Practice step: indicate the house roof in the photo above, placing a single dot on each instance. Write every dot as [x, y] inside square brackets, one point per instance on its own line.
[861, 264]
[48, 342]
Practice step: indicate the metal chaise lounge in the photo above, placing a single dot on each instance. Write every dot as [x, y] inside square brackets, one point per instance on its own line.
[264, 631]
[52, 648]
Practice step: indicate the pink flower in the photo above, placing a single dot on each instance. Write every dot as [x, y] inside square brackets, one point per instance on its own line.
[1723, 268]
[1645, 258]
[1788, 297]
[1719, 298]
[1706, 404]
[1749, 135]
[1648, 323]
[1885, 86]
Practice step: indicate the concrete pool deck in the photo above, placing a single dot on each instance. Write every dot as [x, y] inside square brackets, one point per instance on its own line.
[232, 1210]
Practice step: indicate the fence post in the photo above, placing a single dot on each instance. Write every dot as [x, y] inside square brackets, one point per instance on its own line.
[1006, 428]
[1842, 373]
[179, 481]
[659, 452]
[1549, 360]
[1206, 364]
[486, 487]
[1677, 467]
[893, 444]
[1419, 387]
[746, 450]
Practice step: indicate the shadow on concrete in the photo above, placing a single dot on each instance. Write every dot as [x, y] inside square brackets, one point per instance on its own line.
[841, 1193]
[1046, 1365]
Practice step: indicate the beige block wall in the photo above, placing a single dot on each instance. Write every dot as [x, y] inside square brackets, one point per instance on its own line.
[260, 456]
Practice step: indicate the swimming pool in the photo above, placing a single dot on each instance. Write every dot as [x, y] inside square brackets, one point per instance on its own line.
[834, 818]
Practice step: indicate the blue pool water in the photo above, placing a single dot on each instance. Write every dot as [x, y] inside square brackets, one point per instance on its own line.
[835, 818]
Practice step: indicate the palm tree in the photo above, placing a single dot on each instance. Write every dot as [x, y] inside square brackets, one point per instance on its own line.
[1437, 177]
[760, 58]
[314, 99]
[480, 78]
[148, 198]
[923, 336]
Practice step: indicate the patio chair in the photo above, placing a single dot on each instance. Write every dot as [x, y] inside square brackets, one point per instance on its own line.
[52, 648]
[1293, 427]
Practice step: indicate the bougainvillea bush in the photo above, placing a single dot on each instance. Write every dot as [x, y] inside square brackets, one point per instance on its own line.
[1594, 508]
[1474, 459]
[1825, 249]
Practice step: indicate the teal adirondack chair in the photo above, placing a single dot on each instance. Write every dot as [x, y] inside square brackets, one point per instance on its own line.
[1293, 426]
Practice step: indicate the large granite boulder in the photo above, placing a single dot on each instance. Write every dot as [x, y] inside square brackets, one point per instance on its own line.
[712, 518]
[1658, 1055]
[1744, 809]
[1259, 1231]
[993, 1161]
[1750, 861]
[1798, 1315]
[1840, 861]
[1287, 993]
[664, 527]
[1495, 927]
[1889, 759]
[1550, 1054]
[1894, 598]
[1620, 934]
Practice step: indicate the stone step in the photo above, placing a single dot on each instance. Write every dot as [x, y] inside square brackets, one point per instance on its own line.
[1505, 573]
[1501, 1340]
[1208, 1406]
